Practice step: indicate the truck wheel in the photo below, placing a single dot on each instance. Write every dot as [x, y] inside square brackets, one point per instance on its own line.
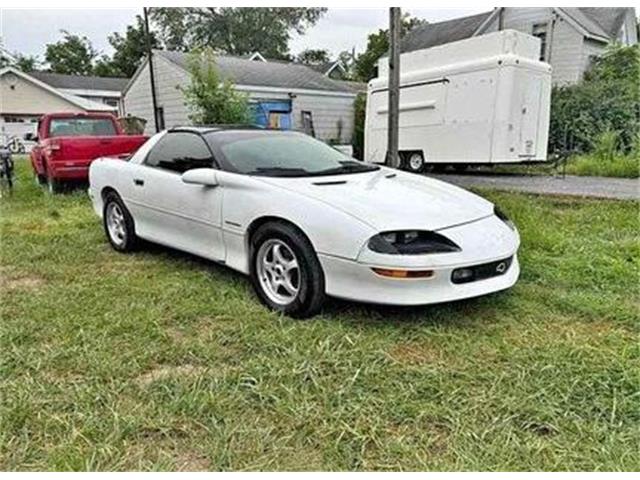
[54, 185]
[39, 179]
[414, 162]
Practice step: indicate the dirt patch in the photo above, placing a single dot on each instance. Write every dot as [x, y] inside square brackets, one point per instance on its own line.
[165, 372]
[11, 282]
[191, 462]
[414, 353]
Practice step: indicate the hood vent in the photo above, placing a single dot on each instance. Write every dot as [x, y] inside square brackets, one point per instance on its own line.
[330, 182]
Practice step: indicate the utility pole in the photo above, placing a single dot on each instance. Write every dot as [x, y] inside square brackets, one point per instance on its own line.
[152, 79]
[393, 160]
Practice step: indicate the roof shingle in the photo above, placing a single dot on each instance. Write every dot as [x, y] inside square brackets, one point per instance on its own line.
[59, 80]
[264, 74]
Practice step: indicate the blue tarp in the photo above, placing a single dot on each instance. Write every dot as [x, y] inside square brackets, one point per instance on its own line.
[272, 113]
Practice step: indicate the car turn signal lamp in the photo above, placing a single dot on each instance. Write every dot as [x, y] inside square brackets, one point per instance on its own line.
[391, 273]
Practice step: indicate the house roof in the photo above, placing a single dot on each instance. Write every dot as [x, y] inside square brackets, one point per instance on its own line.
[432, 34]
[326, 67]
[264, 74]
[83, 103]
[602, 23]
[608, 19]
[77, 82]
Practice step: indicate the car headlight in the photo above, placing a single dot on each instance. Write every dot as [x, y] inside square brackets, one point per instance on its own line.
[411, 242]
[502, 216]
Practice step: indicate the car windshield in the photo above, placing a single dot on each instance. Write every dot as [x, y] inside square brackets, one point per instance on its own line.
[281, 154]
[77, 127]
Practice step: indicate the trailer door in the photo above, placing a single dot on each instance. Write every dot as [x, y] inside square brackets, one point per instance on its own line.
[529, 114]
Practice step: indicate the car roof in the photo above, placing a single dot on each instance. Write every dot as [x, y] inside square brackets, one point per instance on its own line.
[202, 129]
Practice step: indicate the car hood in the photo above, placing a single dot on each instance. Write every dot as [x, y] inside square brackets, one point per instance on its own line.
[390, 200]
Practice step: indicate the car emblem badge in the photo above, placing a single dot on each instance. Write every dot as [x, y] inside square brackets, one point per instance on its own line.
[501, 267]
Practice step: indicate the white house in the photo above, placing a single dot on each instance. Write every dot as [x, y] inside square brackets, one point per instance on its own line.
[24, 98]
[106, 90]
[284, 95]
[570, 36]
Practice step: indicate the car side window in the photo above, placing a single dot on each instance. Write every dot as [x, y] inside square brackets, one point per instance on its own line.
[179, 152]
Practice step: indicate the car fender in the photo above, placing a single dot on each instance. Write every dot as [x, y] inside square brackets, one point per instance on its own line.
[247, 199]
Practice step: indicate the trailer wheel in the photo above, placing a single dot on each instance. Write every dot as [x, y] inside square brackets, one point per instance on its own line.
[413, 162]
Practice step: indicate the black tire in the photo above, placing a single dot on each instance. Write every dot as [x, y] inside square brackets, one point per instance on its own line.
[54, 185]
[39, 179]
[413, 162]
[130, 240]
[311, 285]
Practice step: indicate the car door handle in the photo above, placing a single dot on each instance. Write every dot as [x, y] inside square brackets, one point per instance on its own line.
[138, 182]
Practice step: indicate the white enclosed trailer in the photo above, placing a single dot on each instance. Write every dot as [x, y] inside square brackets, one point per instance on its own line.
[483, 100]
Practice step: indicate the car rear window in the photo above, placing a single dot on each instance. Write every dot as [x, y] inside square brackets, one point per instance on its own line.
[77, 127]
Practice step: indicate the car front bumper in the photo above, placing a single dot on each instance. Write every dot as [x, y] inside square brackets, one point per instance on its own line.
[483, 242]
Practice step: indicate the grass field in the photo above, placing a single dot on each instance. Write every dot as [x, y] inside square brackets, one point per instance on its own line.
[621, 166]
[158, 360]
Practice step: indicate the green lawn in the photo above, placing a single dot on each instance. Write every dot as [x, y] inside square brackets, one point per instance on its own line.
[159, 360]
[621, 166]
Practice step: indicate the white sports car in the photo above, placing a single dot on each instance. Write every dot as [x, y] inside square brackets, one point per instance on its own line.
[304, 220]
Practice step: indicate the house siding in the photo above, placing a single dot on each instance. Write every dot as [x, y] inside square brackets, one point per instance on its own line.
[327, 110]
[27, 98]
[566, 44]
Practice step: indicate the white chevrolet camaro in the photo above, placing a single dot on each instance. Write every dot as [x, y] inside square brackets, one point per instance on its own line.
[304, 220]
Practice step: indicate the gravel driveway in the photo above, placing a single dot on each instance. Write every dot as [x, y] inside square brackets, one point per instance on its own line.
[600, 187]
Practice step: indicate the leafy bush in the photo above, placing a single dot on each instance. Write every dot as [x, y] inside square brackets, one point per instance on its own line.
[605, 145]
[607, 100]
[624, 166]
[360, 108]
[210, 99]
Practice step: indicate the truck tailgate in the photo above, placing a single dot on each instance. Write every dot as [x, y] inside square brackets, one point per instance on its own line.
[88, 148]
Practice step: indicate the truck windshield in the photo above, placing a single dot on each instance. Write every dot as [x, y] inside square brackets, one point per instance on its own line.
[281, 154]
[76, 127]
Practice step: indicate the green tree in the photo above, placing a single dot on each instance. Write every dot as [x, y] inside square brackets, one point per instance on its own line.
[73, 55]
[26, 63]
[104, 67]
[359, 113]
[234, 31]
[377, 46]
[210, 99]
[313, 56]
[130, 48]
[606, 103]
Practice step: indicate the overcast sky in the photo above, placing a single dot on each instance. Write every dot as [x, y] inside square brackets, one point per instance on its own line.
[28, 31]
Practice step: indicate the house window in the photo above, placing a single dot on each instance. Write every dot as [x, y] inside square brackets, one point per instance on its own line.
[540, 31]
[160, 118]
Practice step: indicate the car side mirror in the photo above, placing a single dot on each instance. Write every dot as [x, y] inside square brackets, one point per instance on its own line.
[201, 176]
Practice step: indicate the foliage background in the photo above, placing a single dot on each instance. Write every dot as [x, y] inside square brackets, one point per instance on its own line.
[602, 109]
[210, 99]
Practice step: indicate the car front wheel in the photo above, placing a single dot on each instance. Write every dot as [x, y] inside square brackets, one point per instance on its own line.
[285, 270]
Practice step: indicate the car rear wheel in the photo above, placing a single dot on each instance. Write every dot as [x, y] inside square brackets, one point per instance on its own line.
[118, 224]
[285, 270]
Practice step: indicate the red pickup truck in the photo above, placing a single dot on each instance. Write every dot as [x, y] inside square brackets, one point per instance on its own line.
[69, 142]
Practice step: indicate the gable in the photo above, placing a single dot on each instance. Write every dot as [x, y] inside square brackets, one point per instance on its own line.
[28, 98]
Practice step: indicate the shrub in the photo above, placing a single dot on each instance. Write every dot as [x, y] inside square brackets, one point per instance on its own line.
[360, 108]
[210, 99]
[605, 145]
[607, 100]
